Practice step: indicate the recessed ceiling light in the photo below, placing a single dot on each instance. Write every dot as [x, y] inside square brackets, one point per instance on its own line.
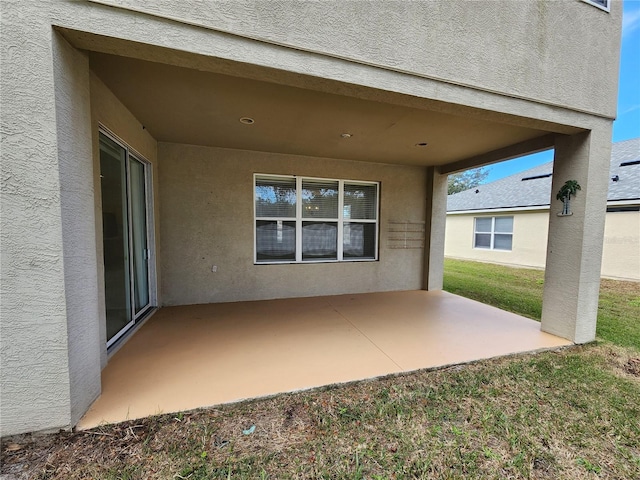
[421, 144]
[346, 135]
[247, 120]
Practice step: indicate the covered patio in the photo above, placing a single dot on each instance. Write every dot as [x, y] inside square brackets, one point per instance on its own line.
[232, 149]
[197, 161]
[194, 356]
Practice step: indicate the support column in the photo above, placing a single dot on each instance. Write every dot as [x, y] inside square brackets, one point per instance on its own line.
[435, 221]
[574, 249]
[75, 167]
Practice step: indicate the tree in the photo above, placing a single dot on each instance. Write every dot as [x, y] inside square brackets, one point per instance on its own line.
[458, 182]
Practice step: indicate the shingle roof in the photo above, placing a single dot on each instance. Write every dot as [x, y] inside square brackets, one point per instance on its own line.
[514, 192]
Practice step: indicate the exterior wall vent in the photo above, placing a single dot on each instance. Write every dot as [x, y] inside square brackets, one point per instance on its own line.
[601, 4]
[632, 162]
[535, 177]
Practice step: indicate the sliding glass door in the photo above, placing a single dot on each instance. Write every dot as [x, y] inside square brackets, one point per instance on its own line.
[139, 238]
[127, 246]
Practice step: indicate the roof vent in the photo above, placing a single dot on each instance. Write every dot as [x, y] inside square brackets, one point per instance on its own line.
[535, 177]
[632, 162]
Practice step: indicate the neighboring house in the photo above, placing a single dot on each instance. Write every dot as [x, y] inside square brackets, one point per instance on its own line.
[172, 153]
[507, 221]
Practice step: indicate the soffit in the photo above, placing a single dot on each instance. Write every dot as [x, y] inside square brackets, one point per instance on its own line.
[184, 105]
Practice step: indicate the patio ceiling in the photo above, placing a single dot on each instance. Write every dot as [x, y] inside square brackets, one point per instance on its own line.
[191, 106]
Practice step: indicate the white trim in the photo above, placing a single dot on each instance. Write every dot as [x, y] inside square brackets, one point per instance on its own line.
[610, 203]
[109, 133]
[150, 304]
[299, 220]
[606, 8]
[298, 224]
[499, 210]
[340, 249]
[114, 347]
[618, 203]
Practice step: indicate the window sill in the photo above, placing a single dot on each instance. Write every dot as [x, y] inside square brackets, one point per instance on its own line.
[314, 262]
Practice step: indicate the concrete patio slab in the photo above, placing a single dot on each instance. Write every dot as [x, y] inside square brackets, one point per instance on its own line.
[201, 355]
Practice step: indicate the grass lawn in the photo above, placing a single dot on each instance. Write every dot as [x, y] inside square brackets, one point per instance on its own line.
[572, 414]
[519, 290]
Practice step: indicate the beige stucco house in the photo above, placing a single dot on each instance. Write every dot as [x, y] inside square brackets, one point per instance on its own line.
[507, 221]
[171, 153]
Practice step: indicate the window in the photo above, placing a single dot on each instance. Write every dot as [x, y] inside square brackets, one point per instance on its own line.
[314, 219]
[601, 4]
[493, 233]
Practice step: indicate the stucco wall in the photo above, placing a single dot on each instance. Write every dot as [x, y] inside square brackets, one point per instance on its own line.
[621, 249]
[206, 200]
[34, 376]
[108, 111]
[574, 245]
[507, 47]
[73, 122]
[620, 256]
[529, 240]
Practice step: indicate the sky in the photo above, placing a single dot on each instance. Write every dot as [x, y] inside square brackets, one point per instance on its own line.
[627, 124]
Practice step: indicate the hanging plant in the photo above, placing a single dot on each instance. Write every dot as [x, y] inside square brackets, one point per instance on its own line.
[569, 188]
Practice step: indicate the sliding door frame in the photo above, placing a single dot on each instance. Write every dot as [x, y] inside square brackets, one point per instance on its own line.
[136, 317]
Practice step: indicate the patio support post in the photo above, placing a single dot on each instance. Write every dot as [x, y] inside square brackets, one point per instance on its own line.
[435, 221]
[78, 225]
[574, 249]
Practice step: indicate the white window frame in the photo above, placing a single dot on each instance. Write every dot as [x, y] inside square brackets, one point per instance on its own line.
[606, 8]
[492, 233]
[299, 220]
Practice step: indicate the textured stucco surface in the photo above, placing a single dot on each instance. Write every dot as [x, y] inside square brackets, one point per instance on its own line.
[34, 374]
[436, 217]
[620, 251]
[574, 249]
[73, 121]
[508, 47]
[147, 37]
[206, 204]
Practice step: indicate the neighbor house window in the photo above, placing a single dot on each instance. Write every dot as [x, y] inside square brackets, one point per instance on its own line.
[601, 4]
[314, 219]
[493, 233]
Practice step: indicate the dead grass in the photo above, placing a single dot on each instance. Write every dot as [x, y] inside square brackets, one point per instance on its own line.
[570, 414]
